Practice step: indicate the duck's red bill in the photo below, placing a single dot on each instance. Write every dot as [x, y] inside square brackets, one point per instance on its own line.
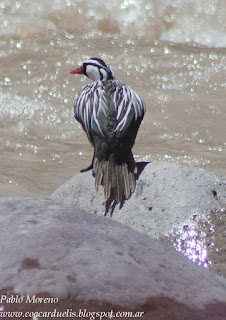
[77, 71]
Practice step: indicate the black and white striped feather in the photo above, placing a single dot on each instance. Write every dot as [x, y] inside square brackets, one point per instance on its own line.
[99, 98]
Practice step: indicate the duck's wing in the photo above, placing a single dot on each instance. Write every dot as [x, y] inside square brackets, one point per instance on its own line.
[108, 109]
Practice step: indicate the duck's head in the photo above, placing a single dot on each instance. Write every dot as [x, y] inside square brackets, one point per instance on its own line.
[95, 69]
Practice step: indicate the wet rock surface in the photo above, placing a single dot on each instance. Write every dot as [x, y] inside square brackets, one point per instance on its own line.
[166, 194]
[64, 251]
[182, 205]
[55, 248]
[203, 240]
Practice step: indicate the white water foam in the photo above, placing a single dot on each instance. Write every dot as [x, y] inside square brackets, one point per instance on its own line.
[200, 21]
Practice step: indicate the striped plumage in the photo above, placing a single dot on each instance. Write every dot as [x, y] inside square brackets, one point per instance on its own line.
[110, 113]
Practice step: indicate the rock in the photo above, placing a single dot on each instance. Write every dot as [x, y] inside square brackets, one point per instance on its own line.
[167, 196]
[63, 251]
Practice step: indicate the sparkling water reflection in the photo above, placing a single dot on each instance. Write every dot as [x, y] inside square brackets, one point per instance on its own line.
[199, 239]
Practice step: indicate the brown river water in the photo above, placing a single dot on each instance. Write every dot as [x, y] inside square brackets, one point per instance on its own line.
[172, 52]
[42, 145]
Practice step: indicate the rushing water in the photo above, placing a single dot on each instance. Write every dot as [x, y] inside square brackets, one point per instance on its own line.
[171, 52]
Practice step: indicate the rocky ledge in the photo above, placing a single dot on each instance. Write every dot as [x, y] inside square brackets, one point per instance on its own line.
[53, 248]
[166, 196]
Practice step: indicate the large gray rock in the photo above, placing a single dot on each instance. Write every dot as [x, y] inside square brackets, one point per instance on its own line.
[167, 196]
[50, 247]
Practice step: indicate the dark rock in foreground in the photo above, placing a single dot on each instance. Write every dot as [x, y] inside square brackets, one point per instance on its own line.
[166, 196]
[61, 250]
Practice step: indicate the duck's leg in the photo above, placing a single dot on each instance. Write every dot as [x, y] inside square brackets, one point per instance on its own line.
[90, 167]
